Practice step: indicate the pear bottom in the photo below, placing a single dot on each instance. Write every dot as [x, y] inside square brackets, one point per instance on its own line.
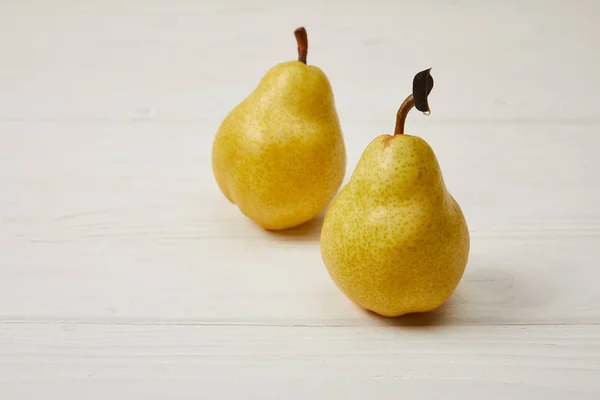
[279, 217]
[394, 281]
[394, 261]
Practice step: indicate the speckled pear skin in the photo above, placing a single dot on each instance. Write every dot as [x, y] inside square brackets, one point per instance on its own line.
[394, 240]
[280, 154]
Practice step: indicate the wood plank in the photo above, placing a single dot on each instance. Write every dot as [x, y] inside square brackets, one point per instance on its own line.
[96, 361]
[122, 222]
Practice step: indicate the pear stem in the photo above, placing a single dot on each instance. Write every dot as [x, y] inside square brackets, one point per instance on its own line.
[302, 39]
[406, 106]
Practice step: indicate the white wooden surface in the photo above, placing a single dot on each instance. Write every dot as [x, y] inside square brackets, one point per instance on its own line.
[123, 270]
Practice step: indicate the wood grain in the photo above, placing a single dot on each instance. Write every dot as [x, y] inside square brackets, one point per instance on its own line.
[297, 363]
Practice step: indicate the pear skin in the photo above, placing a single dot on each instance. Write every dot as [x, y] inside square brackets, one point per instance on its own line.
[394, 240]
[280, 154]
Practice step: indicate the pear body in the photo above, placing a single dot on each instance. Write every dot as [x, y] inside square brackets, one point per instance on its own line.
[280, 154]
[394, 240]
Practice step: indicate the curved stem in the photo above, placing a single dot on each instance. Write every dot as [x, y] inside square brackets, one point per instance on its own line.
[406, 106]
[302, 39]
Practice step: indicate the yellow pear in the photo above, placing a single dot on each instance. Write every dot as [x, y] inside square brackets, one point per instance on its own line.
[394, 240]
[280, 154]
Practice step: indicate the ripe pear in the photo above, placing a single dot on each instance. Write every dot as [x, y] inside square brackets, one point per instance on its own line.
[394, 240]
[280, 154]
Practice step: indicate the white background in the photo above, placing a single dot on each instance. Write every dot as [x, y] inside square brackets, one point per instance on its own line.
[124, 272]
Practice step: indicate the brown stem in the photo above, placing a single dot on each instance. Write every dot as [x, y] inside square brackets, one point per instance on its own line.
[302, 40]
[406, 106]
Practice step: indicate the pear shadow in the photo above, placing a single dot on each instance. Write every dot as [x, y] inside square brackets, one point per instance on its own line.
[309, 231]
[487, 295]
[513, 293]
[437, 317]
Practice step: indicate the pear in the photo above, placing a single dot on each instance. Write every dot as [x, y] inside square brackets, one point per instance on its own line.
[394, 240]
[280, 154]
